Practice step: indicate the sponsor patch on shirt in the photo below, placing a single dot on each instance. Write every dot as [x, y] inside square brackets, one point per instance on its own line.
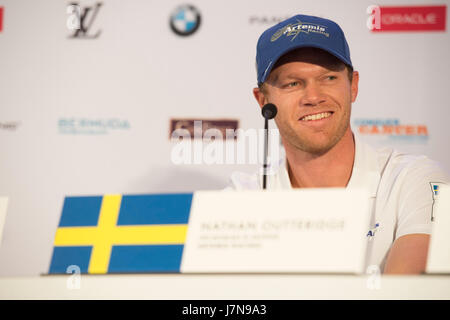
[372, 231]
[435, 194]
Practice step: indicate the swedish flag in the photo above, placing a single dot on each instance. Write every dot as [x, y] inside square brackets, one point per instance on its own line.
[122, 234]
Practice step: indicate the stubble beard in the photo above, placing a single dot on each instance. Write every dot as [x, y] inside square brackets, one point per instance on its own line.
[296, 140]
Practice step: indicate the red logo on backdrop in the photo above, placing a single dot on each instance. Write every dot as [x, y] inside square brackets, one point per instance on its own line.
[1, 19]
[417, 18]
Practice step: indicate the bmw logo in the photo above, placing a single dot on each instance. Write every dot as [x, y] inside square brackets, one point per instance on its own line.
[185, 20]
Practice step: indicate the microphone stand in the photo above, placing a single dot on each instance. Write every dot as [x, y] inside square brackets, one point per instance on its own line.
[266, 146]
[269, 111]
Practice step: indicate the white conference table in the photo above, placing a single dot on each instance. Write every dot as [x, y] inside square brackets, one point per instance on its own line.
[226, 287]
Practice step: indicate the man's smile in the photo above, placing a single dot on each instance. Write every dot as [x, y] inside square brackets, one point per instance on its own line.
[314, 117]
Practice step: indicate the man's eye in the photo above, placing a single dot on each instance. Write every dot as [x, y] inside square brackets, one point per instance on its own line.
[331, 78]
[293, 84]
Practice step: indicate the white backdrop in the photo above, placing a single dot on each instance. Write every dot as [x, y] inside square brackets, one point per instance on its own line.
[138, 74]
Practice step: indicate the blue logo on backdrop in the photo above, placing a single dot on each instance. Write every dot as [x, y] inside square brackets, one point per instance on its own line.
[185, 20]
[87, 126]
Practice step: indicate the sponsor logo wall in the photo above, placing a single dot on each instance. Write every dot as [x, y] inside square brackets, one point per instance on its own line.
[185, 20]
[196, 128]
[407, 18]
[391, 130]
[91, 126]
[9, 125]
[91, 98]
[81, 19]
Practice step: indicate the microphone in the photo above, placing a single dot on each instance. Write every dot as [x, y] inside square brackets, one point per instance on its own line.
[269, 111]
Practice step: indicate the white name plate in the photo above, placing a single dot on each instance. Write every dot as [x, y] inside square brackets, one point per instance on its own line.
[439, 251]
[308, 231]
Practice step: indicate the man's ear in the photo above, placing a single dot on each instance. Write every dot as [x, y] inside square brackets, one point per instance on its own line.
[260, 96]
[354, 85]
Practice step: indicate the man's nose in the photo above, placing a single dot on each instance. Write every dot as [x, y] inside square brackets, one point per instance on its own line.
[312, 95]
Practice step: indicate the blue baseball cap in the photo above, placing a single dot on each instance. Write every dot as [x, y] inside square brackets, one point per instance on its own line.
[298, 32]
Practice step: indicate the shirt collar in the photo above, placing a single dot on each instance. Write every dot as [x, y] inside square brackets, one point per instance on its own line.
[365, 172]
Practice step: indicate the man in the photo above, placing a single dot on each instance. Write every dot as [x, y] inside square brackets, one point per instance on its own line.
[304, 68]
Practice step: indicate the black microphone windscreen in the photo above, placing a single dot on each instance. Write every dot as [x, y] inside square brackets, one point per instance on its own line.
[269, 111]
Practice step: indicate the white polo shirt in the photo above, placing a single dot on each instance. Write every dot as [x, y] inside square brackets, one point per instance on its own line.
[402, 188]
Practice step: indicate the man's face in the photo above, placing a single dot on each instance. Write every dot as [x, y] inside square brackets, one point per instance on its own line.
[313, 94]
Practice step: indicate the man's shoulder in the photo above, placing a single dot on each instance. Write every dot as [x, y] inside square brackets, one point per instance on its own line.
[404, 163]
[388, 160]
[398, 167]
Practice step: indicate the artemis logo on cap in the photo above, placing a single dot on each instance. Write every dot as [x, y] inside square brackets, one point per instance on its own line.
[299, 31]
[295, 29]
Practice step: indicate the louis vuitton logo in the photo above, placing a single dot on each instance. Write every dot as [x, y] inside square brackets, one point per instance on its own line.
[81, 20]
